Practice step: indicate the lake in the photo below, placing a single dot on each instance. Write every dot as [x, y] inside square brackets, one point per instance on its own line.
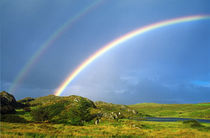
[174, 119]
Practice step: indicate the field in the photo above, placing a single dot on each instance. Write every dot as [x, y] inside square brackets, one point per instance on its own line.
[126, 128]
[121, 127]
[197, 111]
[54, 116]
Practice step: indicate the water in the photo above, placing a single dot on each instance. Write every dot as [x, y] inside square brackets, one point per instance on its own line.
[174, 119]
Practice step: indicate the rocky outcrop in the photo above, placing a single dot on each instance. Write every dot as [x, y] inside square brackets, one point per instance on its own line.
[112, 115]
[8, 103]
[114, 111]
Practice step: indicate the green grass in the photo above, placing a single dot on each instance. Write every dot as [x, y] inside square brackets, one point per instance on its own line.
[122, 128]
[26, 115]
[203, 104]
[28, 127]
[201, 111]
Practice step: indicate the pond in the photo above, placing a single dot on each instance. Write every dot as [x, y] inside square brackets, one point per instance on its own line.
[174, 119]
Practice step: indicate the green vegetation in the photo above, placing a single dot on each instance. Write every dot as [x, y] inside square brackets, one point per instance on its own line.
[79, 113]
[54, 116]
[44, 100]
[25, 101]
[43, 113]
[120, 128]
[13, 118]
[74, 110]
[115, 111]
[192, 123]
[197, 111]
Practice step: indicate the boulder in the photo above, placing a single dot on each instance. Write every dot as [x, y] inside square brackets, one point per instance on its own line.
[114, 111]
[8, 103]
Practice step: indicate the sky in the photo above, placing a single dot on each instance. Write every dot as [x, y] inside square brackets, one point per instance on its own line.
[166, 65]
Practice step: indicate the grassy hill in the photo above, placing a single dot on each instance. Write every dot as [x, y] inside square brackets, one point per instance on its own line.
[55, 116]
[201, 110]
[74, 110]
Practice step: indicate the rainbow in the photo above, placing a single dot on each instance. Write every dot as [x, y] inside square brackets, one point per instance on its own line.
[122, 39]
[27, 67]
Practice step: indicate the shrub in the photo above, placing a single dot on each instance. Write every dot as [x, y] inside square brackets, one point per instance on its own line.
[74, 112]
[27, 109]
[34, 135]
[26, 100]
[40, 114]
[80, 113]
[12, 118]
[192, 123]
[49, 112]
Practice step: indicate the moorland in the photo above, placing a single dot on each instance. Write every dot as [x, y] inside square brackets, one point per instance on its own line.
[57, 116]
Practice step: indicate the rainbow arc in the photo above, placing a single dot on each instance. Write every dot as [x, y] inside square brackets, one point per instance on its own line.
[122, 39]
[28, 66]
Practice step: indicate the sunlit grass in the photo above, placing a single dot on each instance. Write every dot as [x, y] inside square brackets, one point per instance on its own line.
[122, 127]
[197, 111]
[23, 114]
[116, 127]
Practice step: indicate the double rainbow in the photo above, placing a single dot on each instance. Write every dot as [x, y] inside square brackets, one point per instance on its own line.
[122, 39]
[27, 67]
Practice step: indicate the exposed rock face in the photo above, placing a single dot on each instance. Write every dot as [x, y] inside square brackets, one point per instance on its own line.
[97, 121]
[114, 111]
[8, 103]
[111, 115]
[133, 111]
[78, 99]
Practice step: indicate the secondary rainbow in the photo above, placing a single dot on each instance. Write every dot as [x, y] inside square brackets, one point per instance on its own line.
[122, 39]
[27, 67]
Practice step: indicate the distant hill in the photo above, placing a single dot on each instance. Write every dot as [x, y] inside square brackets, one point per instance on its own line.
[201, 110]
[26, 100]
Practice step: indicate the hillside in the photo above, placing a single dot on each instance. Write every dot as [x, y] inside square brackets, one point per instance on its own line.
[70, 116]
[201, 110]
[74, 110]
